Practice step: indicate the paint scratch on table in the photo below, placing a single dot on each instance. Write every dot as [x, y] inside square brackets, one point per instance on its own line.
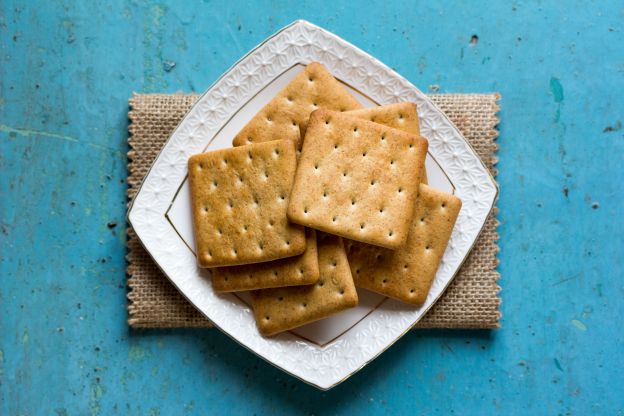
[558, 364]
[580, 325]
[26, 132]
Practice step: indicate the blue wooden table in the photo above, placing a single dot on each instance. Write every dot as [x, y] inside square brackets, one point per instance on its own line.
[66, 72]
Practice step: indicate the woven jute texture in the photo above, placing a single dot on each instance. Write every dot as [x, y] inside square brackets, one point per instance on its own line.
[471, 300]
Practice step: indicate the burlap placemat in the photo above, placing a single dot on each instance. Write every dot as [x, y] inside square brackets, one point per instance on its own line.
[471, 301]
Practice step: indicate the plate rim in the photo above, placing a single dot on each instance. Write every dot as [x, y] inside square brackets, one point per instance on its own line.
[394, 74]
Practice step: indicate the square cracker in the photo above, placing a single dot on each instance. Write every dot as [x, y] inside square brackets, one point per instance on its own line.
[357, 179]
[239, 198]
[286, 115]
[407, 273]
[278, 310]
[402, 116]
[291, 271]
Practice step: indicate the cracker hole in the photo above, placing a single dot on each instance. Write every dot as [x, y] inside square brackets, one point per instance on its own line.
[215, 183]
[357, 271]
[235, 252]
[378, 257]
[249, 140]
[314, 105]
[381, 210]
[334, 263]
[225, 162]
[281, 298]
[352, 202]
[311, 79]
[304, 304]
[411, 145]
[422, 219]
[400, 190]
[267, 318]
[443, 204]
[271, 223]
[301, 271]
[383, 137]
[428, 247]
[201, 166]
[412, 290]
[400, 116]
[225, 278]
[294, 123]
[335, 146]
[260, 246]
[316, 166]
[390, 233]
[230, 204]
[249, 156]
[245, 227]
[334, 219]
[364, 154]
[219, 231]
[250, 276]
[305, 210]
[384, 281]
[321, 284]
[373, 182]
[290, 99]
[344, 174]
[342, 291]
[355, 130]
[324, 194]
[275, 273]
[362, 225]
[205, 208]
[392, 162]
[405, 266]
[327, 122]
[269, 119]
[287, 242]
[276, 151]
[282, 197]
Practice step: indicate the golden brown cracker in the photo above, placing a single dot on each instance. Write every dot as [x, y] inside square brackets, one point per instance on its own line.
[402, 116]
[357, 179]
[278, 310]
[239, 198]
[291, 271]
[407, 273]
[286, 115]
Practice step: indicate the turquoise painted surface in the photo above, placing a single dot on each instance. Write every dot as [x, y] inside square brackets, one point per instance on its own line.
[66, 71]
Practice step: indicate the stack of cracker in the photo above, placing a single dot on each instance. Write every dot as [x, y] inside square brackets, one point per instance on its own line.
[317, 197]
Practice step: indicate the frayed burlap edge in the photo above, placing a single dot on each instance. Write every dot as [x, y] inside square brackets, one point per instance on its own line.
[470, 301]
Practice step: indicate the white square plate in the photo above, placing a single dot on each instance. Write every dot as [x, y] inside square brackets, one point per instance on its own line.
[326, 352]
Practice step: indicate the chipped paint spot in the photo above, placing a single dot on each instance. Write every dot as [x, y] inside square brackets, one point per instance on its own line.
[580, 325]
[557, 89]
[136, 353]
[94, 399]
[25, 337]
